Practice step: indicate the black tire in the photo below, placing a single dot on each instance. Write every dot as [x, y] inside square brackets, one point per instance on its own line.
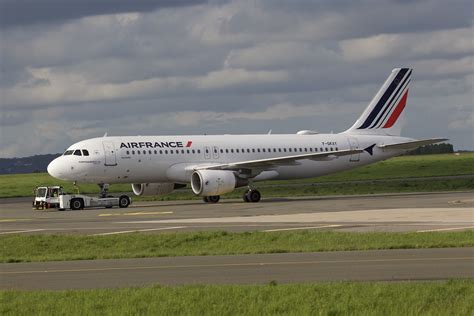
[213, 198]
[254, 196]
[245, 197]
[205, 199]
[124, 201]
[77, 204]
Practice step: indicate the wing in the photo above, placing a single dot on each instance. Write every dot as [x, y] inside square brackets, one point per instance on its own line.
[279, 161]
[413, 144]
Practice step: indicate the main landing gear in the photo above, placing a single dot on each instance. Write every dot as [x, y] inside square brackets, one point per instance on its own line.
[251, 195]
[211, 198]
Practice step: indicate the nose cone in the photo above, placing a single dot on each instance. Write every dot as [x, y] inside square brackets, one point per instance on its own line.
[55, 169]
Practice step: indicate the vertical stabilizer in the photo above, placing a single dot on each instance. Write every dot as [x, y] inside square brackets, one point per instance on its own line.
[383, 115]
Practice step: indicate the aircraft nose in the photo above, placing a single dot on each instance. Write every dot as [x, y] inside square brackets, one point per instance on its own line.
[54, 168]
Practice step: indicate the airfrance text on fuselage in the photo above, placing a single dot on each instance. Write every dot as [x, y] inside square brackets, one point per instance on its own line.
[155, 145]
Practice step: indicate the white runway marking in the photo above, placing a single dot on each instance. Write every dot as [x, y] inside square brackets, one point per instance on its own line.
[300, 228]
[22, 231]
[444, 229]
[400, 215]
[137, 230]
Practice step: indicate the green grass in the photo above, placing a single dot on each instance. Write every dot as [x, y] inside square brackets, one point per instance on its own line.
[454, 297]
[396, 168]
[24, 248]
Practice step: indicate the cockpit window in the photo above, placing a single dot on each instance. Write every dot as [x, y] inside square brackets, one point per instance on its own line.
[77, 152]
[85, 152]
[68, 152]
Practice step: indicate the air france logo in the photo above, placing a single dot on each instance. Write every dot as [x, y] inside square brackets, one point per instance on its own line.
[155, 145]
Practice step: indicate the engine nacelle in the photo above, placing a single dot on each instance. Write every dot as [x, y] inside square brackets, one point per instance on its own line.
[154, 188]
[212, 182]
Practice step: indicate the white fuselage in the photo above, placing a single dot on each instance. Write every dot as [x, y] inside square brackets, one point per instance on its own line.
[157, 159]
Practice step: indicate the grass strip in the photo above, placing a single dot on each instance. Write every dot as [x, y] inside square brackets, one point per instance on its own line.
[454, 297]
[27, 248]
[396, 168]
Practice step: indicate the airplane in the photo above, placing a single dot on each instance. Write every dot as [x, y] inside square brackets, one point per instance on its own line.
[218, 164]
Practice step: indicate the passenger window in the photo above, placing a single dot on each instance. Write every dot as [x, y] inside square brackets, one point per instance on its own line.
[337, 149]
[133, 152]
[284, 149]
[321, 149]
[263, 149]
[227, 151]
[326, 149]
[222, 151]
[85, 152]
[237, 150]
[182, 151]
[253, 150]
[144, 152]
[77, 152]
[199, 151]
[187, 151]
[289, 149]
[258, 149]
[279, 150]
[155, 152]
[193, 151]
[166, 152]
[330, 148]
[128, 153]
[171, 152]
[248, 150]
[232, 150]
[161, 152]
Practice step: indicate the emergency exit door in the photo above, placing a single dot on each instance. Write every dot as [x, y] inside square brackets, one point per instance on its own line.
[354, 144]
[110, 155]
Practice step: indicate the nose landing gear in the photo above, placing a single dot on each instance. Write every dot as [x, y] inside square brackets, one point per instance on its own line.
[104, 190]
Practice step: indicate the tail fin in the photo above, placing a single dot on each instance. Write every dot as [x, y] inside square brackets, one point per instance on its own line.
[382, 116]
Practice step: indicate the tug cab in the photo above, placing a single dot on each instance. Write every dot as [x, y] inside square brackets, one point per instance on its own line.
[47, 197]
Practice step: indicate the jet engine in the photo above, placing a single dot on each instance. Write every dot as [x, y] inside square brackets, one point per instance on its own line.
[155, 188]
[213, 182]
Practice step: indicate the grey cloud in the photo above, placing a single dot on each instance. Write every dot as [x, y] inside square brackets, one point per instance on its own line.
[217, 65]
[27, 12]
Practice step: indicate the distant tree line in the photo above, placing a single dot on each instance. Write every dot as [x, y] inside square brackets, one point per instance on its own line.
[443, 148]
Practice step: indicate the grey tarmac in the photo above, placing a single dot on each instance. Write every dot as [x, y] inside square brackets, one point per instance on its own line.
[377, 265]
[448, 211]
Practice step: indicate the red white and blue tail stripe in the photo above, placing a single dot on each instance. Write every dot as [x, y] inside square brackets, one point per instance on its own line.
[382, 116]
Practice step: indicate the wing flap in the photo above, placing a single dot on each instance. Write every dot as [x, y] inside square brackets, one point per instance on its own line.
[413, 144]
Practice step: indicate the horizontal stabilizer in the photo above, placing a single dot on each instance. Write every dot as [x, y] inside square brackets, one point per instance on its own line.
[413, 144]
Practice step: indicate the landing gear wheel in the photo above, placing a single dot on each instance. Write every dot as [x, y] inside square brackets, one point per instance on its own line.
[211, 199]
[245, 197]
[77, 204]
[124, 201]
[252, 196]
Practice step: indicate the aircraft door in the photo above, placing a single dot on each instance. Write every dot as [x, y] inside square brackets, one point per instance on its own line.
[354, 144]
[215, 152]
[110, 156]
[207, 152]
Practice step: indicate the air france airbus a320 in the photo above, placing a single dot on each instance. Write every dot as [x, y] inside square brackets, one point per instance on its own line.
[217, 164]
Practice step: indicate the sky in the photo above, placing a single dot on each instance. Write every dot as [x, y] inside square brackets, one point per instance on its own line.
[77, 69]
